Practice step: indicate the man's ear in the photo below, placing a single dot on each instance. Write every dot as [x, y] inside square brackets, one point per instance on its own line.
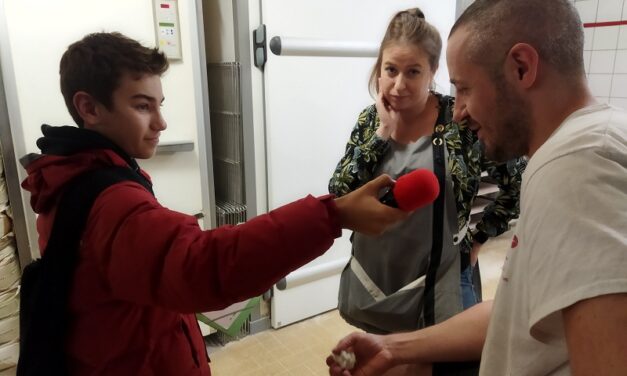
[522, 64]
[87, 108]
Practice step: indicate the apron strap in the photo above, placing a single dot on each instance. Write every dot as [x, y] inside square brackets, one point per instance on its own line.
[372, 287]
[438, 221]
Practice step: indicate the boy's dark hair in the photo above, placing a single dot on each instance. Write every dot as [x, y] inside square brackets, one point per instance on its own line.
[96, 63]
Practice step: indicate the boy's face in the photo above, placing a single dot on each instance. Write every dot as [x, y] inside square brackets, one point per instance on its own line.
[134, 122]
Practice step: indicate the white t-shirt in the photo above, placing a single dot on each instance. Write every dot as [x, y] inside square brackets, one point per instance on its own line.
[570, 243]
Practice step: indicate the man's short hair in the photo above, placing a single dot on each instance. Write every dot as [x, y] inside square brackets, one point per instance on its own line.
[96, 63]
[552, 27]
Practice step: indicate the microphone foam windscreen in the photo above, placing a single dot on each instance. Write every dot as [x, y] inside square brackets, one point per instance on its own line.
[416, 189]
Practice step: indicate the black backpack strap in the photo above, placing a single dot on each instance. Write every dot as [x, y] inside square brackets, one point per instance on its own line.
[46, 283]
[75, 204]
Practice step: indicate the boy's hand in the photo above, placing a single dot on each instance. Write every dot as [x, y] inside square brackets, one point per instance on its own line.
[361, 210]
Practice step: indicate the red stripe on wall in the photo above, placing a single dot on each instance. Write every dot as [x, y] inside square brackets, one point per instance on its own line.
[603, 24]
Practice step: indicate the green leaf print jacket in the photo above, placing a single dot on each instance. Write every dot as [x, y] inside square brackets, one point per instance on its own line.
[365, 150]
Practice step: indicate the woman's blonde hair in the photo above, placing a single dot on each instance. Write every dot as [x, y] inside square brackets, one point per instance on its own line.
[408, 26]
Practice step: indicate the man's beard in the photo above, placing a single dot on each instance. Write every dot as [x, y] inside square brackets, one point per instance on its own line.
[512, 123]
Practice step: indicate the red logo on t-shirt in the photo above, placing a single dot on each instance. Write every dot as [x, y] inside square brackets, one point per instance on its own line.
[515, 241]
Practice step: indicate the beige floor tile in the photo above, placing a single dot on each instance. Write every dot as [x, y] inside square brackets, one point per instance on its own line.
[491, 258]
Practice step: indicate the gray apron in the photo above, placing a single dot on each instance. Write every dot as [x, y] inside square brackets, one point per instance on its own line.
[382, 287]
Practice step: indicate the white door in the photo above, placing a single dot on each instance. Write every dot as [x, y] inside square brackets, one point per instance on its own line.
[311, 105]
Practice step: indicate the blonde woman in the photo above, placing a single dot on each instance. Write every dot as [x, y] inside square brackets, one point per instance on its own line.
[423, 270]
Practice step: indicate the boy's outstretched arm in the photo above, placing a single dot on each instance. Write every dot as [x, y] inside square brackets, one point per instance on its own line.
[156, 256]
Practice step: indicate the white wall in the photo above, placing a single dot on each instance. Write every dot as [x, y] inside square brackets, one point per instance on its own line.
[39, 31]
[605, 48]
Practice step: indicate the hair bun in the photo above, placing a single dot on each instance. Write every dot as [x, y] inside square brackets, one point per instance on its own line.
[418, 13]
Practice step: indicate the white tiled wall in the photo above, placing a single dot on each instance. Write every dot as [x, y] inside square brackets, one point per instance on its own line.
[605, 49]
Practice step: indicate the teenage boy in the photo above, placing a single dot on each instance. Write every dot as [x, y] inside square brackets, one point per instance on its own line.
[144, 270]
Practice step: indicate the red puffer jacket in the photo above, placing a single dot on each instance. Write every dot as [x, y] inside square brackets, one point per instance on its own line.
[144, 269]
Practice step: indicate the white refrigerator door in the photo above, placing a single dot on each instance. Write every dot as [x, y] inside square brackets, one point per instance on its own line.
[311, 106]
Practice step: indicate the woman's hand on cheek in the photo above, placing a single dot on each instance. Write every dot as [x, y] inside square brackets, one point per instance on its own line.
[388, 117]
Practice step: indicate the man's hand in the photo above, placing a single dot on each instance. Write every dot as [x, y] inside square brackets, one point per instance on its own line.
[361, 210]
[457, 339]
[372, 358]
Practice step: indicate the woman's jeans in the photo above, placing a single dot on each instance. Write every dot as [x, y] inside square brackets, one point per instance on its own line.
[469, 297]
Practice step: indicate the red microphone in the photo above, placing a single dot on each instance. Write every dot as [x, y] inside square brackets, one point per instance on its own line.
[412, 190]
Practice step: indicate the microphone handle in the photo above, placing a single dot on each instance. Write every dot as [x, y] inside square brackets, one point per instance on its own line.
[388, 198]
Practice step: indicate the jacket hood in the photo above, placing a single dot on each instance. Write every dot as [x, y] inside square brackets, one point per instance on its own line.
[66, 152]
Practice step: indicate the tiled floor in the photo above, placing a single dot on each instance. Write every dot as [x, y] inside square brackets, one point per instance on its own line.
[301, 349]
